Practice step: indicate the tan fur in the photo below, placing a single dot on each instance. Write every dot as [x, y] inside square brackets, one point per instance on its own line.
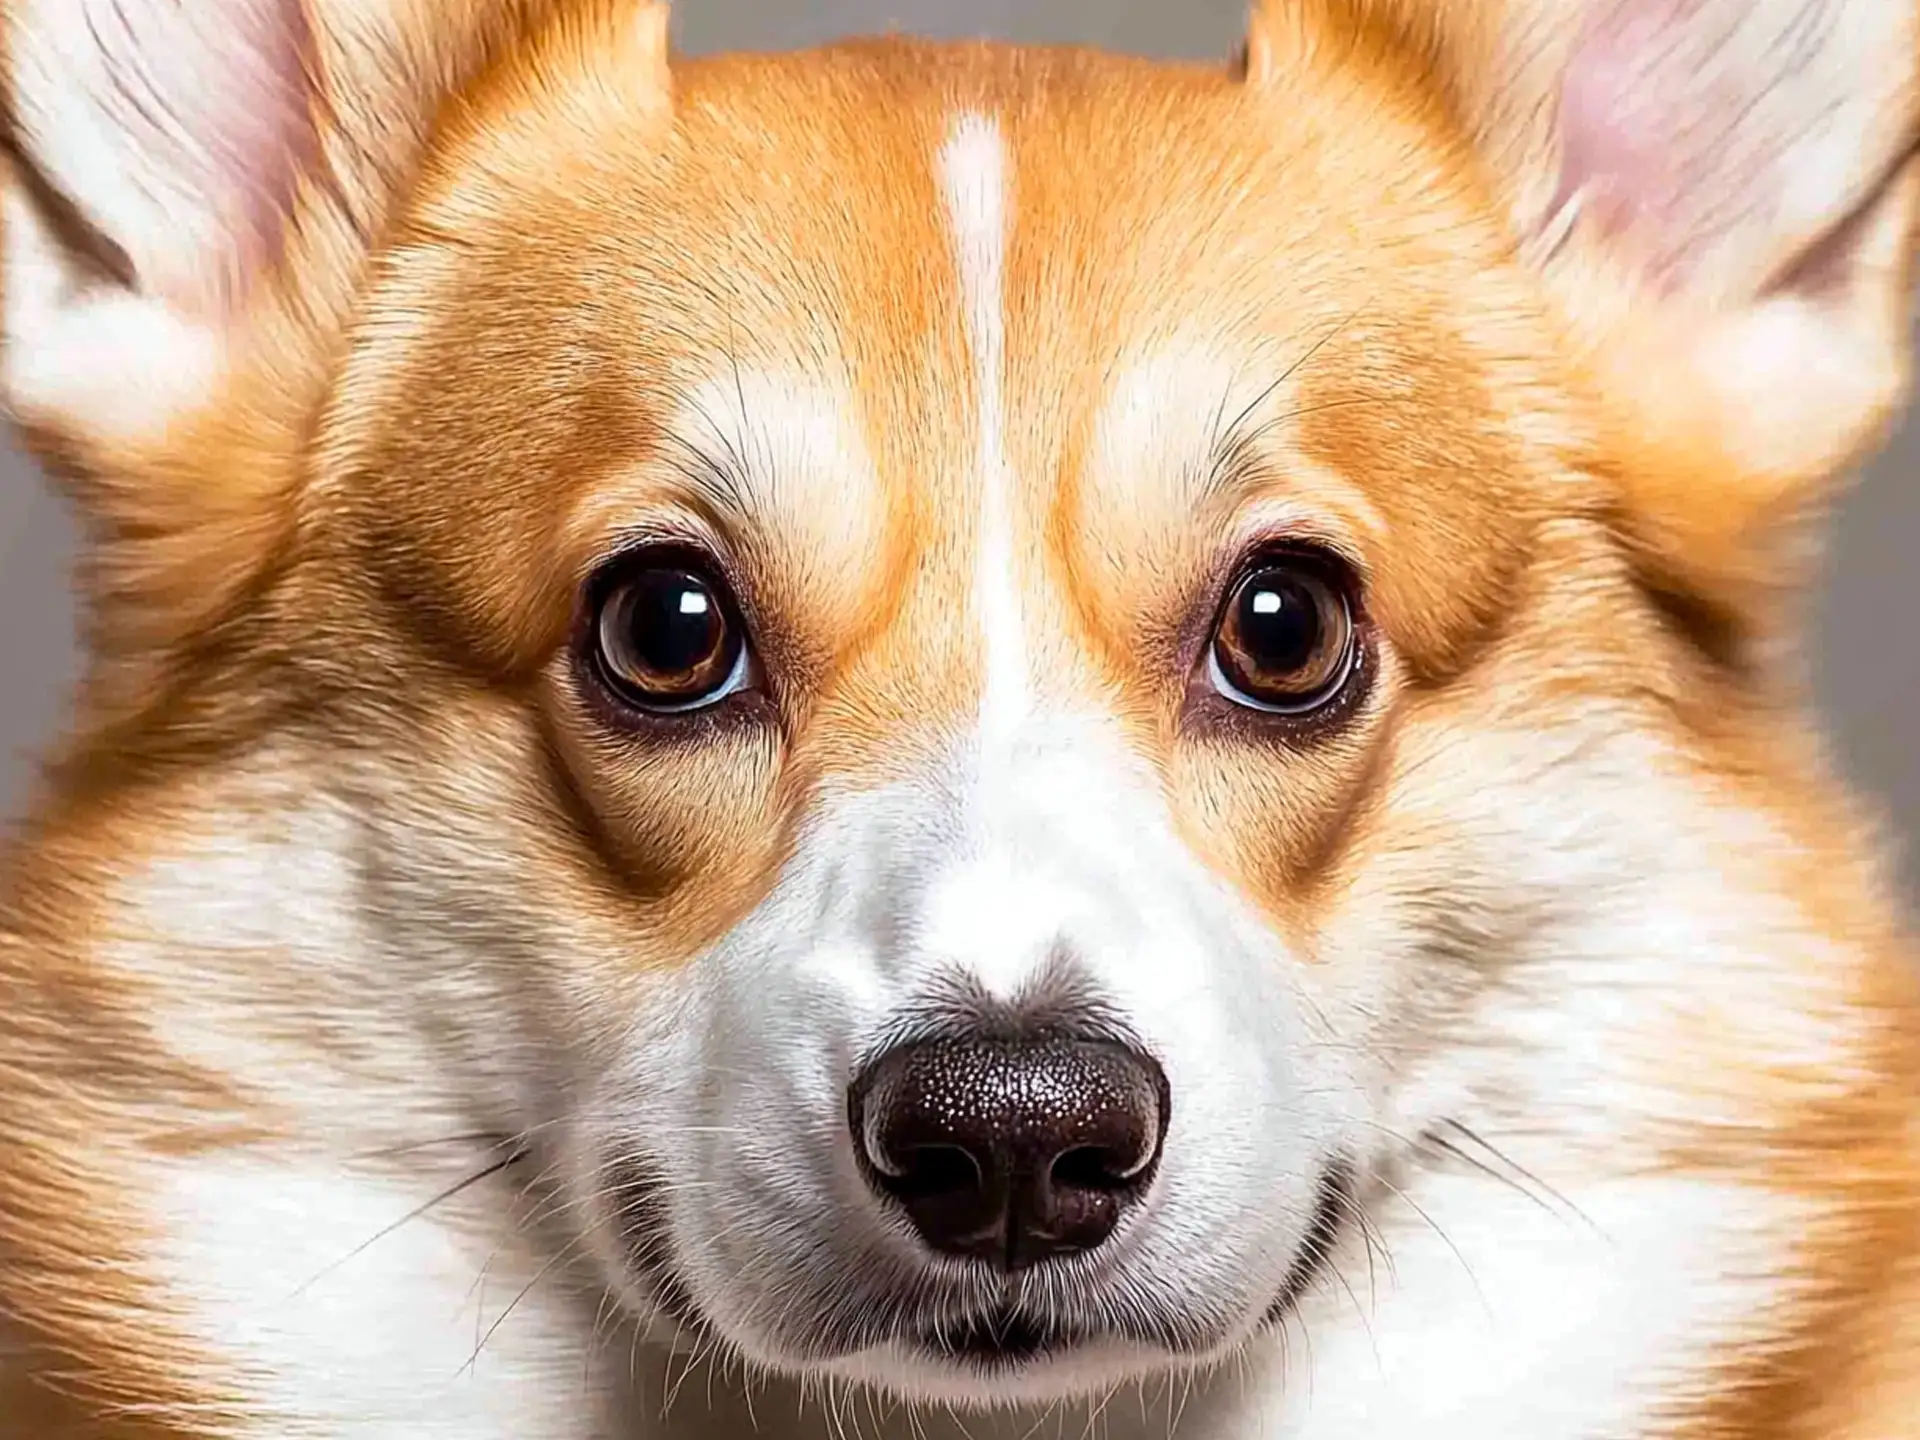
[361, 554]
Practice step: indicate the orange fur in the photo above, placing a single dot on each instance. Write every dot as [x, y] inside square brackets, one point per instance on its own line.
[454, 393]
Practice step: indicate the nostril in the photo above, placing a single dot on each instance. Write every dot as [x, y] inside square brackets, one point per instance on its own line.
[1093, 1167]
[927, 1171]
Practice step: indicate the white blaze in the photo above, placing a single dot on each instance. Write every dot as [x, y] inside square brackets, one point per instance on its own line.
[973, 174]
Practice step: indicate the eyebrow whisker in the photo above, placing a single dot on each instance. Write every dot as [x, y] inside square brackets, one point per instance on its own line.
[1287, 374]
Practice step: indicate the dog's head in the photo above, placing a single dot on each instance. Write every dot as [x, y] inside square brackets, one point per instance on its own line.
[972, 683]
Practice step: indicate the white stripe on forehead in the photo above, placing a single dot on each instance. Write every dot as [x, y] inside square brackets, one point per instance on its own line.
[973, 175]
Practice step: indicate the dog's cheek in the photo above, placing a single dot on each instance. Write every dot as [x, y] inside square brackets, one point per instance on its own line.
[570, 875]
[663, 835]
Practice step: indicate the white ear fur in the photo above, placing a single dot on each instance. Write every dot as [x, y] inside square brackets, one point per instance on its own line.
[1737, 170]
[177, 130]
[174, 166]
[1719, 140]
[158, 149]
[1708, 142]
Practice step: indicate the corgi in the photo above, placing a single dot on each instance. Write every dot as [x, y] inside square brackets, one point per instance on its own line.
[941, 739]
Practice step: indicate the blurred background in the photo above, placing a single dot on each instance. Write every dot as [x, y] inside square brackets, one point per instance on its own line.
[1867, 620]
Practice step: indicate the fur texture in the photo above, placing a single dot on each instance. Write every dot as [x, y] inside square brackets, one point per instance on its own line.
[398, 1037]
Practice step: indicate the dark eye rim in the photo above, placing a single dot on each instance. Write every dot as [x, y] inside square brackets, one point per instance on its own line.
[1318, 576]
[614, 701]
[1341, 699]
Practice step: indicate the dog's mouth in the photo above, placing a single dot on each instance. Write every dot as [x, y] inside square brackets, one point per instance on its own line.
[1011, 1338]
[1008, 1337]
[1005, 1339]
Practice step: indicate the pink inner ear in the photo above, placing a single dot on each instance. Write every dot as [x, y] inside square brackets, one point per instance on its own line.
[217, 97]
[1652, 106]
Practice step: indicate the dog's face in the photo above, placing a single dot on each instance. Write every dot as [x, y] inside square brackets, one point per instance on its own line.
[989, 681]
[1009, 638]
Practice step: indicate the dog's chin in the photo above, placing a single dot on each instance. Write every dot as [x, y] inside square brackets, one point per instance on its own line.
[1006, 1361]
[1006, 1358]
[1012, 1358]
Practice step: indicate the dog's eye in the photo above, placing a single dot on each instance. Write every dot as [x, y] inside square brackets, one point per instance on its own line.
[1286, 642]
[667, 638]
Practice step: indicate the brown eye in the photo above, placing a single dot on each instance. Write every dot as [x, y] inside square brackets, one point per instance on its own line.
[1286, 642]
[666, 638]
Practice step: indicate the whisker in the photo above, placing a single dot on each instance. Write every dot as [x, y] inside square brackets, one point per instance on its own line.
[563, 1253]
[1524, 1174]
[1445, 1239]
[412, 1215]
[1291, 370]
[492, 1138]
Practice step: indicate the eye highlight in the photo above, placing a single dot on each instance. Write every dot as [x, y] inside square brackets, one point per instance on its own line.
[666, 636]
[1286, 642]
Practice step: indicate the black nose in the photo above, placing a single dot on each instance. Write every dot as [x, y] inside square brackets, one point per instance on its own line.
[1010, 1151]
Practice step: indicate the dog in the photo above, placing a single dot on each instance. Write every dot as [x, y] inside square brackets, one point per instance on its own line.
[945, 739]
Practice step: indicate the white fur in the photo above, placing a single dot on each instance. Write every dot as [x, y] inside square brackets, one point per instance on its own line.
[121, 363]
[975, 185]
[108, 100]
[988, 872]
[1499, 1315]
[353, 1320]
[804, 474]
[1163, 415]
[1168, 413]
[156, 123]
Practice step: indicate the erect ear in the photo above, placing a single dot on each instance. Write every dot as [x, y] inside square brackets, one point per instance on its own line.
[192, 189]
[1720, 196]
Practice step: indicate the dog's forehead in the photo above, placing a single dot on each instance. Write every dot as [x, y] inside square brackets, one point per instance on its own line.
[1161, 253]
[885, 308]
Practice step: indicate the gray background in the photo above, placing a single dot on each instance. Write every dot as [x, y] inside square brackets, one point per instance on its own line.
[1867, 650]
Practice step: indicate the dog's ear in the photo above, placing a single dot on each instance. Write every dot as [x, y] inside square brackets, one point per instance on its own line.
[192, 189]
[1720, 196]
